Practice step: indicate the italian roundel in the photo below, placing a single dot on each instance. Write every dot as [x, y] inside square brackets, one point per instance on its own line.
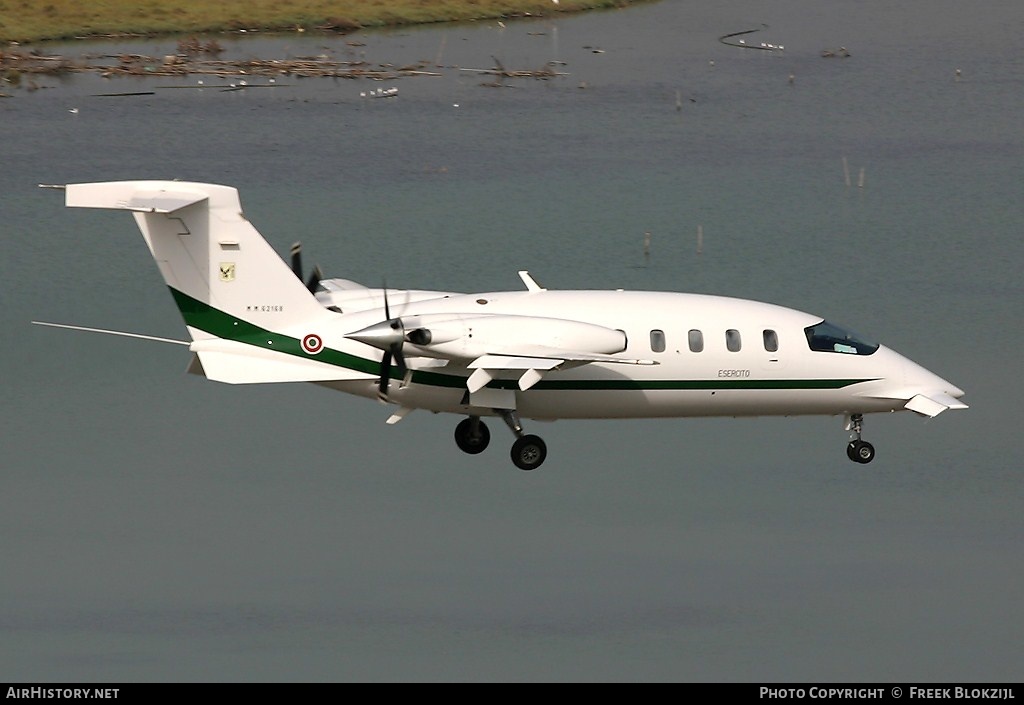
[312, 344]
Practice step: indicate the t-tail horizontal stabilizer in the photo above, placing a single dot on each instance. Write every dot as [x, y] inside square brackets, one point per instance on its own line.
[150, 197]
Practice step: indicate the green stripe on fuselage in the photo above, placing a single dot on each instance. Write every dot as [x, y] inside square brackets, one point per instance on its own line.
[215, 322]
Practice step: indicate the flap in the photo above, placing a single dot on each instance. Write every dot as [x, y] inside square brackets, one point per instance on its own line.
[513, 362]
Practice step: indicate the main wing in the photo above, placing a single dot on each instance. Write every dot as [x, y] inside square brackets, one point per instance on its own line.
[534, 362]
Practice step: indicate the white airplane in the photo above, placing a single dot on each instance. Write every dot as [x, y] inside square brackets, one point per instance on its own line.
[536, 353]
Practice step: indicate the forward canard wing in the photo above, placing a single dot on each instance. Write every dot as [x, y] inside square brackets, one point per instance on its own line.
[933, 404]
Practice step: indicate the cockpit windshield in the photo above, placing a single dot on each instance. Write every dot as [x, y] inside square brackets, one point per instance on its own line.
[828, 337]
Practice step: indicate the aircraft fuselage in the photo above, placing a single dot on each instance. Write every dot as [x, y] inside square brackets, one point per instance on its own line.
[716, 356]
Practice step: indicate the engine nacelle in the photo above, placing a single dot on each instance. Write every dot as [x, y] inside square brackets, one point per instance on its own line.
[469, 337]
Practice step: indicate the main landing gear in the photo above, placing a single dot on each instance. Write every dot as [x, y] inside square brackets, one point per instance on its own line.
[528, 451]
[857, 450]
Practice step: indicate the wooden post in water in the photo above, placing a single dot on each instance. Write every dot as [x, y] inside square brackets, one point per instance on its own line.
[647, 247]
[440, 50]
[860, 179]
[700, 239]
[846, 172]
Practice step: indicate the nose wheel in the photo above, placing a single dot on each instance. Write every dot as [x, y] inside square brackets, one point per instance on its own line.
[860, 451]
[857, 450]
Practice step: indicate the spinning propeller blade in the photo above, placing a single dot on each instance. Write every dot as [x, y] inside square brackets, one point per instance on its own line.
[313, 282]
[385, 375]
[393, 351]
[297, 259]
[388, 335]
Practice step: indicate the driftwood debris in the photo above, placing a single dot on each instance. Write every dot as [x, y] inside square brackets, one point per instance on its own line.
[14, 63]
[840, 53]
[499, 70]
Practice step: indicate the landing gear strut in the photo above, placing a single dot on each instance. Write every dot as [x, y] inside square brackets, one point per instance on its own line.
[857, 450]
[528, 451]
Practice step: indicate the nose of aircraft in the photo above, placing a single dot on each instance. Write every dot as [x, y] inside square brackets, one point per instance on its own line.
[954, 391]
[928, 393]
[927, 381]
[939, 384]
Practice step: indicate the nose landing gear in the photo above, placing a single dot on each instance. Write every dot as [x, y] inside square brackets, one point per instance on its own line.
[857, 450]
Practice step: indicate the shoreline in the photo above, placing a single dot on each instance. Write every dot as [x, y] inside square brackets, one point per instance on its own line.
[64, 20]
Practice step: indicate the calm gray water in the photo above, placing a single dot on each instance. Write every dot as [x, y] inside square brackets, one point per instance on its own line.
[154, 526]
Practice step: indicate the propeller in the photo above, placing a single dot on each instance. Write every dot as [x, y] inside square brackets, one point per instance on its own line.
[393, 351]
[389, 336]
[313, 282]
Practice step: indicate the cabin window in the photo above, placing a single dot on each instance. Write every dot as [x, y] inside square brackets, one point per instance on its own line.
[828, 337]
[732, 340]
[771, 341]
[658, 340]
[696, 339]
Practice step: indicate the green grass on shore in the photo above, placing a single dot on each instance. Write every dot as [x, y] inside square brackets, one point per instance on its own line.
[35, 20]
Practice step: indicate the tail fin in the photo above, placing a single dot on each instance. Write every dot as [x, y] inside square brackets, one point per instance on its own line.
[250, 318]
[211, 257]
